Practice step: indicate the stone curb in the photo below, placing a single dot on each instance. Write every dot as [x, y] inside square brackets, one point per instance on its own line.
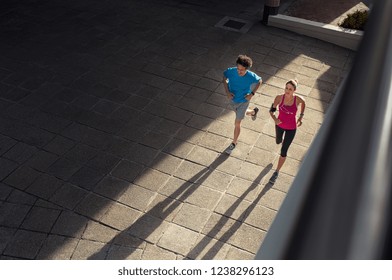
[344, 37]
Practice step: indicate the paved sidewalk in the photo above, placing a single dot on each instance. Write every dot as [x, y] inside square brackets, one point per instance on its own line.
[113, 120]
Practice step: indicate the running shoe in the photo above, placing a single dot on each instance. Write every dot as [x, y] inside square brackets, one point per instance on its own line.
[256, 110]
[230, 149]
[274, 177]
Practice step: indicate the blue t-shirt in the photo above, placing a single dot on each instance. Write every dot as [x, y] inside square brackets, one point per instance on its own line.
[240, 85]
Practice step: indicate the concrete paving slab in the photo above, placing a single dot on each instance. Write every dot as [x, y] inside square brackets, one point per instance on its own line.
[245, 238]
[49, 250]
[122, 253]
[120, 216]
[93, 206]
[70, 224]
[25, 244]
[98, 232]
[208, 248]
[156, 253]
[35, 222]
[178, 239]
[192, 217]
[87, 249]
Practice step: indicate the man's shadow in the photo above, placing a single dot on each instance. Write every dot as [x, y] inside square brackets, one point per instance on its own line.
[211, 253]
[154, 217]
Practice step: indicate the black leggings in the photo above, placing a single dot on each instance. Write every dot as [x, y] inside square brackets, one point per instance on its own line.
[288, 138]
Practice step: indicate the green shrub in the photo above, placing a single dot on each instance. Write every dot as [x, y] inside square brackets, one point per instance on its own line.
[356, 20]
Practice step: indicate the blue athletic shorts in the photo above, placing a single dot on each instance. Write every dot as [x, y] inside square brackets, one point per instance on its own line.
[239, 109]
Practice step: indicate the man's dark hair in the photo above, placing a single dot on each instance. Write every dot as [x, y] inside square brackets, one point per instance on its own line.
[244, 60]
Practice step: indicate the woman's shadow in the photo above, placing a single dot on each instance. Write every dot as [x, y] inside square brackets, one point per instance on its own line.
[155, 217]
[197, 251]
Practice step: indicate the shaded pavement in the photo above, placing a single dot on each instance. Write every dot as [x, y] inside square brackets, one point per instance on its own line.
[113, 120]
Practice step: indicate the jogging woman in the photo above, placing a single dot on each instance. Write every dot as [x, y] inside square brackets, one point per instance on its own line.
[286, 123]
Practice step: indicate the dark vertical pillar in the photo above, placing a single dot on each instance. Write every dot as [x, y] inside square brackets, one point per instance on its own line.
[271, 7]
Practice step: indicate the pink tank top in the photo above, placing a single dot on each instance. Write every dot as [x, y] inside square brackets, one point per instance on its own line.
[287, 115]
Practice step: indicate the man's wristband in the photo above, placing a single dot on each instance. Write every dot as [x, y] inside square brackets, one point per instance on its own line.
[301, 115]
